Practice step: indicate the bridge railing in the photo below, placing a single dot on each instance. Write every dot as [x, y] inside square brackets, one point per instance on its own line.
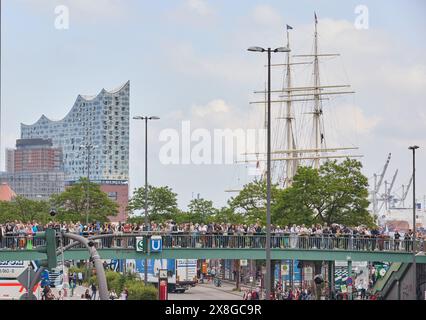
[240, 241]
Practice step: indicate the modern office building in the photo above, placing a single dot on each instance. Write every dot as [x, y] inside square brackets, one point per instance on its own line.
[34, 169]
[35, 185]
[94, 139]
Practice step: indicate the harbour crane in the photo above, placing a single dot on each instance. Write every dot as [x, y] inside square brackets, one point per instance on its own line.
[378, 184]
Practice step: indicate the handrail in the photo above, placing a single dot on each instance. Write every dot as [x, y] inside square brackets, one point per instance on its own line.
[239, 241]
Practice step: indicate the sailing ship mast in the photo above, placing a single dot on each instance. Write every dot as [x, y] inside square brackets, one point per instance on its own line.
[316, 93]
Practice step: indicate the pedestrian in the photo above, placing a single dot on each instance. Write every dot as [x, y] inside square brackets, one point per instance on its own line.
[86, 295]
[124, 294]
[45, 291]
[94, 289]
[80, 278]
[72, 286]
[113, 295]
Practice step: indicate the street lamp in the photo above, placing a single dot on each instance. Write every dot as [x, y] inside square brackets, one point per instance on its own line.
[268, 169]
[88, 147]
[413, 148]
[147, 224]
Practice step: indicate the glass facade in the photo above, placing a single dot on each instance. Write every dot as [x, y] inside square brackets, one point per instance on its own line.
[101, 121]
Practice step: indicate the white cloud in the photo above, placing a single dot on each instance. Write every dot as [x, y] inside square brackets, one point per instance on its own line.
[266, 15]
[199, 6]
[193, 12]
[184, 59]
[213, 107]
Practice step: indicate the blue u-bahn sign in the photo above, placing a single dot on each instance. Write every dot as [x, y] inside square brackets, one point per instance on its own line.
[156, 244]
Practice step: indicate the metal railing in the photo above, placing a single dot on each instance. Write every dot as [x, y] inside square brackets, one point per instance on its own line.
[235, 241]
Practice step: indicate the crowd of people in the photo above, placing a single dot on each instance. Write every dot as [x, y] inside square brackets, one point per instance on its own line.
[17, 234]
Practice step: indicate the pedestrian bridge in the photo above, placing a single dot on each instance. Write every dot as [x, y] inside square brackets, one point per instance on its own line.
[220, 246]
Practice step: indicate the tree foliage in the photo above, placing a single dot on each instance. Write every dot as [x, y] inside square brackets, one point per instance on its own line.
[161, 201]
[84, 195]
[199, 210]
[336, 193]
[24, 210]
[250, 203]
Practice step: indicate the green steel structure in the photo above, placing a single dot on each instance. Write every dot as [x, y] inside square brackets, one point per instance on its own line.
[221, 253]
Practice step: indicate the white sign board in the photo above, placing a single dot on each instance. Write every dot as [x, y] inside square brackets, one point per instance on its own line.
[243, 263]
[140, 244]
[12, 269]
[284, 269]
[308, 274]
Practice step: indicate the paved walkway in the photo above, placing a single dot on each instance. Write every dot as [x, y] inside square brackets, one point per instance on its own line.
[78, 291]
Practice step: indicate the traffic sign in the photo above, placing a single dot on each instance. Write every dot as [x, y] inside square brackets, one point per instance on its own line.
[162, 273]
[156, 244]
[349, 281]
[26, 277]
[243, 262]
[140, 244]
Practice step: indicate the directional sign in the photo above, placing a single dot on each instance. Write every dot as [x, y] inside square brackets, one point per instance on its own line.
[140, 244]
[26, 277]
[156, 244]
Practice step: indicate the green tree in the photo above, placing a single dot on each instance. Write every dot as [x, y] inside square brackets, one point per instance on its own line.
[228, 215]
[199, 210]
[250, 203]
[23, 209]
[6, 211]
[162, 202]
[336, 193]
[75, 200]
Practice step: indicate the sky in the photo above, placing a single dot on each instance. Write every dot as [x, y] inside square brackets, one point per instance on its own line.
[187, 61]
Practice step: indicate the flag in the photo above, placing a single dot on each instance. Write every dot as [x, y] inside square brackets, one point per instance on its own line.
[289, 27]
[316, 19]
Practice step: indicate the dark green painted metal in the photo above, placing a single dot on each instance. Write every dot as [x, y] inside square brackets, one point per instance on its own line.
[222, 253]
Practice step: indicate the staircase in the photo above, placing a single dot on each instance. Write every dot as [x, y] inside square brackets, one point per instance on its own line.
[396, 271]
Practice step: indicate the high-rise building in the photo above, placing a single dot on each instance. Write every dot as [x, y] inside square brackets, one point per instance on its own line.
[94, 138]
[34, 169]
[36, 155]
[10, 160]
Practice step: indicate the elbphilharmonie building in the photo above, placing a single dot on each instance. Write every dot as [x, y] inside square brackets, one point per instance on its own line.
[94, 137]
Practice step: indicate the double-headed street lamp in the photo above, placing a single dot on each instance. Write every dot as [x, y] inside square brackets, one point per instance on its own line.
[413, 148]
[268, 169]
[147, 223]
[88, 147]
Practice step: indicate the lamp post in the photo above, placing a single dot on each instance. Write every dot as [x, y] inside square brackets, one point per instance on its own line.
[146, 221]
[268, 170]
[413, 148]
[88, 147]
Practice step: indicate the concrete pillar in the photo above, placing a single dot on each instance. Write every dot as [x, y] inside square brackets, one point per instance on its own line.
[237, 274]
[330, 278]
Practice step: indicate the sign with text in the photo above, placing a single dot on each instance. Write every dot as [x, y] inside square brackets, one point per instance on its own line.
[12, 269]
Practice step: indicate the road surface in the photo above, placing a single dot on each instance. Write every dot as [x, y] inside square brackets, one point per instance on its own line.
[207, 292]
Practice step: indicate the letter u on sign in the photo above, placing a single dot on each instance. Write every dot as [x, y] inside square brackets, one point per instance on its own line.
[156, 244]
